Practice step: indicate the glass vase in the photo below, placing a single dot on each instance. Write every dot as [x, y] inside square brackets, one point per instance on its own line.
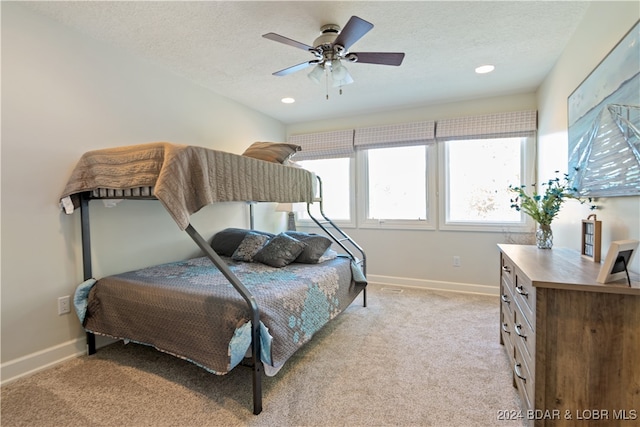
[544, 236]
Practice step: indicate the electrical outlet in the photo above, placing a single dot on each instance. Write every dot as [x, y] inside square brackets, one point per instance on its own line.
[64, 305]
[456, 261]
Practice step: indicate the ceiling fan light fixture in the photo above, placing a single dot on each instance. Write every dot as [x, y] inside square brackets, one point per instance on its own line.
[330, 48]
[316, 74]
[345, 80]
[338, 71]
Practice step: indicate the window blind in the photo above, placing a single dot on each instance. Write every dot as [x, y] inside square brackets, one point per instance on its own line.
[324, 145]
[405, 134]
[501, 125]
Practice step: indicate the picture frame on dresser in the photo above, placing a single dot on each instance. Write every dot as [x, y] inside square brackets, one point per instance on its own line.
[591, 238]
[619, 256]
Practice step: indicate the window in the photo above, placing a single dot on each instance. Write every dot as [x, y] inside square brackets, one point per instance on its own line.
[404, 176]
[477, 174]
[396, 183]
[394, 164]
[330, 156]
[336, 184]
[396, 179]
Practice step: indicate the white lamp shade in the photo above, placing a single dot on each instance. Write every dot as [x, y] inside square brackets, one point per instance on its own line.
[316, 74]
[338, 71]
[346, 80]
[290, 207]
[284, 207]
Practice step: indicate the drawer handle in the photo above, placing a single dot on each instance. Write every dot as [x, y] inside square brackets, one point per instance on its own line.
[518, 372]
[506, 269]
[505, 329]
[519, 331]
[521, 291]
[504, 298]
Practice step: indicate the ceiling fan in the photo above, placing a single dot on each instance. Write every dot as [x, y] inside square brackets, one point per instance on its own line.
[332, 47]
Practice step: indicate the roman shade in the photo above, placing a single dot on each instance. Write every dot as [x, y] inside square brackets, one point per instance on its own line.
[400, 135]
[324, 145]
[500, 125]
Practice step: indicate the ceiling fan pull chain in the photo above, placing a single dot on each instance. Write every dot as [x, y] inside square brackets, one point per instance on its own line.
[326, 80]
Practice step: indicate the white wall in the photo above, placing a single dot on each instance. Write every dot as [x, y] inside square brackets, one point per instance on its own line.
[604, 24]
[424, 258]
[62, 95]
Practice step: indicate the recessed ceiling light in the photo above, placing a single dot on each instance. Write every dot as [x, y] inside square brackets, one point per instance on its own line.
[288, 100]
[485, 69]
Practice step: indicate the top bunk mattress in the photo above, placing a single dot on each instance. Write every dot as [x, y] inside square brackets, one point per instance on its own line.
[186, 178]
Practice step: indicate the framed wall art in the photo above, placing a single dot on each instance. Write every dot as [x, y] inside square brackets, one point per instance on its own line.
[604, 124]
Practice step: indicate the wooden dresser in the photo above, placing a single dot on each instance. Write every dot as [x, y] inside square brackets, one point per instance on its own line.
[573, 343]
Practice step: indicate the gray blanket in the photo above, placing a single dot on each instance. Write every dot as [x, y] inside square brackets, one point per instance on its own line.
[187, 178]
[190, 310]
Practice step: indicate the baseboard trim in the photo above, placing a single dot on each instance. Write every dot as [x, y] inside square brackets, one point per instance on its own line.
[468, 288]
[41, 360]
[48, 358]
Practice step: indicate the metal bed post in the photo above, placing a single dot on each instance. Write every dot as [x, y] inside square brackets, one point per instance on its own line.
[251, 216]
[253, 307]
[85, 230]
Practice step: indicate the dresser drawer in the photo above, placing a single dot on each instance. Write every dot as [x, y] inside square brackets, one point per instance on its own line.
[525, 295]
[506, 298]
[523, 333]
[507, 269]
[522, 376]
[506, 321]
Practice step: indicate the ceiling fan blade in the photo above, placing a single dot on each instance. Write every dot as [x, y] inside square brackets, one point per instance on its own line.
[383, 58]
[282, 39]
[352, 32]
[295, 68]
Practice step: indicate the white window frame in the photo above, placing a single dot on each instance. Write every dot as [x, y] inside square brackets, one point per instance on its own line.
[428, 223]
[351, 222]
[527, 169]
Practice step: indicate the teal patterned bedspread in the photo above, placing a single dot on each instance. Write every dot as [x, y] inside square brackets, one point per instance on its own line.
[190, 310]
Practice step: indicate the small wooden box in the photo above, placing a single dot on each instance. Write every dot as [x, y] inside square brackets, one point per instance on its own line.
[591, 235]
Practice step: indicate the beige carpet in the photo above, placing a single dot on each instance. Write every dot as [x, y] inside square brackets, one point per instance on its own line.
[411, 358]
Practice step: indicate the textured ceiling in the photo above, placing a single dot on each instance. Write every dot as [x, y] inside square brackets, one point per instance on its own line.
[219, 46]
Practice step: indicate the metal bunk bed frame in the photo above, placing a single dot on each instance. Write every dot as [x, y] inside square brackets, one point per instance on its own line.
[256, 363]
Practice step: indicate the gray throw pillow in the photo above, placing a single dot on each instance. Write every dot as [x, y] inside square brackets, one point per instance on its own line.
[316, 246]
[226, 242]
[249, 247]
[280, 251]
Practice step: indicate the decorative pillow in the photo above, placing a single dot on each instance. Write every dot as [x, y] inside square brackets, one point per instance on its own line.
[249, 247]
[226, 242]
[329, 254]
[275, 152]
[280, 251]
[316, 246]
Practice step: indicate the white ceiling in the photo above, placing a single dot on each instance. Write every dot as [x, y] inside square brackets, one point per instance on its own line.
[219, 45]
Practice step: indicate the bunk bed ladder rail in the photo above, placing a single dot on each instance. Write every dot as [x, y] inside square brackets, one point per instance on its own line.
[338, 236]
[218, 262]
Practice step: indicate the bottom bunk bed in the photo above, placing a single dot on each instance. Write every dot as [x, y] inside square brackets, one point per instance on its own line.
[219, 309]
[189, 309]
